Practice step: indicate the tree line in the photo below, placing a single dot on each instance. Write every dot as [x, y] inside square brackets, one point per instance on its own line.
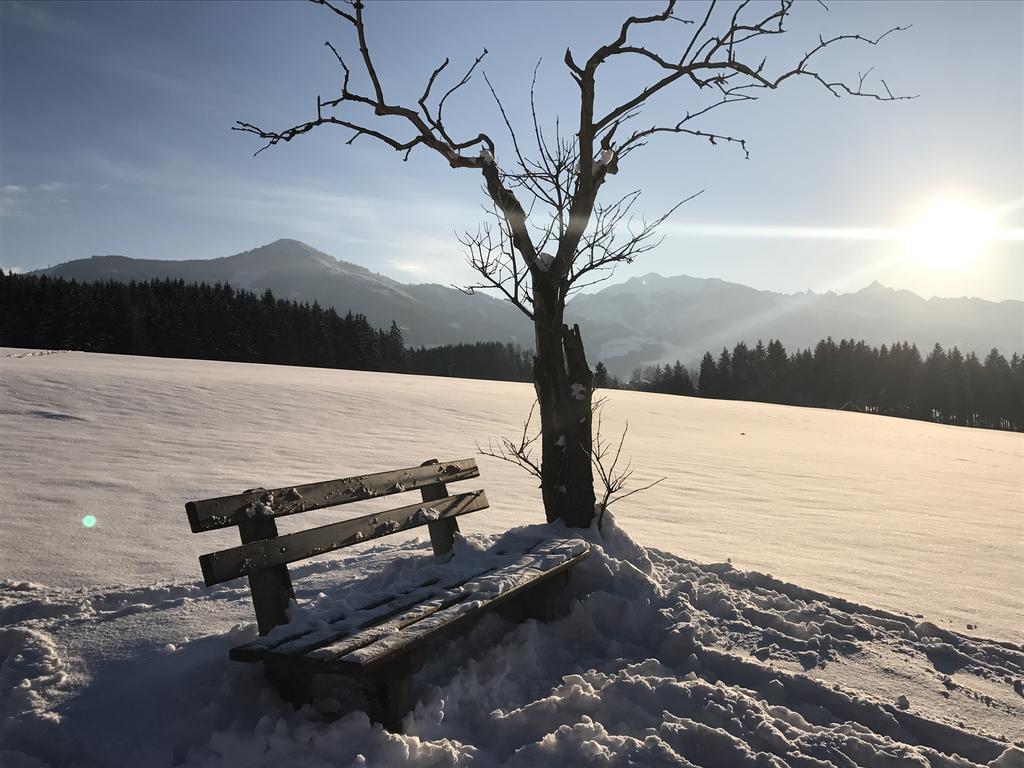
[946, 386]
[479, 360]
[169, 318]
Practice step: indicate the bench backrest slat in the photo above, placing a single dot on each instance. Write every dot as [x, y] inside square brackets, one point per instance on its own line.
[249, 558]
[225, 511]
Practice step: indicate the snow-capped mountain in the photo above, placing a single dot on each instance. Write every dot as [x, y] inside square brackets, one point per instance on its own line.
[643, 320]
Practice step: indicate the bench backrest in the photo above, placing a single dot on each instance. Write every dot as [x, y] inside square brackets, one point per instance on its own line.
[264, 555]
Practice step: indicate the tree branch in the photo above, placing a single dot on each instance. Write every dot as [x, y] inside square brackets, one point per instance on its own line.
[713, 61]
[562, 182]
[613, 479]
[521, 453]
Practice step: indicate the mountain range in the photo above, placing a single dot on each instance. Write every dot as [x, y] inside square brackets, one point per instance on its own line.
[640, 321]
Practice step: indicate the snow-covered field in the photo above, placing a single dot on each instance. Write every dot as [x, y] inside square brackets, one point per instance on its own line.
[112, 653]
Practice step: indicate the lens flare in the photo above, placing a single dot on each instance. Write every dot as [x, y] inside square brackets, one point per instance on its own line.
[89, 521]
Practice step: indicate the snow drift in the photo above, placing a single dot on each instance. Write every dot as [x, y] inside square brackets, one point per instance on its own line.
[656, 660]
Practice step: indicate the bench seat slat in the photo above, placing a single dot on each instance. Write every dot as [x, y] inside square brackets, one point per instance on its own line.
[453, 612]
[239, 561]
[225, 511]
[366, 659]
[337, 648]
[306, 638]
[465, 603]
[346, 622]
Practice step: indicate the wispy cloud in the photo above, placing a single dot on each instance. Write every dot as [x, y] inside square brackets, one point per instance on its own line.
[414, 268]
[42, 17]
[105, 56]
[783, 232]
[22, 200]
[23, 190]
[779, 232]
[396, 233]
[399, 232]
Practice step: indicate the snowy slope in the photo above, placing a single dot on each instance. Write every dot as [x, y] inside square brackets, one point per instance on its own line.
[112, 653]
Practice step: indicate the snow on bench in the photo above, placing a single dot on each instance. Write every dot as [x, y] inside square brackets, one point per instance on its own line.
[379, 643]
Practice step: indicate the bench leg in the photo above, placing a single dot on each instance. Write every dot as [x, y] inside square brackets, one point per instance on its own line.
[388, 701]
[294, 683]
[544, 607]
[537, 603]
[389, 694]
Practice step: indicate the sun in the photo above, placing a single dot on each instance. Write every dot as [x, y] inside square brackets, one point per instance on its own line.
[950, 234]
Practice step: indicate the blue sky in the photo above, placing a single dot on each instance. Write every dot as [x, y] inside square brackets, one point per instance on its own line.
[114, 138]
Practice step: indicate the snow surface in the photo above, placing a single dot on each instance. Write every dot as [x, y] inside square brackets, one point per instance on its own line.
[113, 653]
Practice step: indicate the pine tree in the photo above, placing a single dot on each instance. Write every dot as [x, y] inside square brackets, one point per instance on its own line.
[723, 381]
[707, 378]
[935, 398]
[776, 367]
[742, 372]
[393, 355]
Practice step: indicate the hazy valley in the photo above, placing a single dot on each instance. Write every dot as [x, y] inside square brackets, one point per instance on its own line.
[643, 320]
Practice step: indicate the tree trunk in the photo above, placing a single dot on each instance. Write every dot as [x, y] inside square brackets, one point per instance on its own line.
[564, 385]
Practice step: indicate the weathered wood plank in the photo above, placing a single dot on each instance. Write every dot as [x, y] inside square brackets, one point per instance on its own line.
[384, 641]
[344, 623]
[336, 624]
[225, 511]
[231, 563]
[440, 623]
[305, 638]
[390, 629]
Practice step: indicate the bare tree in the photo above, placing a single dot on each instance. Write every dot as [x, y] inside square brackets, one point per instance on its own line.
[563, 239]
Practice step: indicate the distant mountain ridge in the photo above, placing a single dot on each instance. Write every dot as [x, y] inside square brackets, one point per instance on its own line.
[668, 318]
[428, 314]
[640, 321]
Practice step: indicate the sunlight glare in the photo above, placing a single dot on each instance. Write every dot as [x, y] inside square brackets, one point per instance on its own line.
[951, 234]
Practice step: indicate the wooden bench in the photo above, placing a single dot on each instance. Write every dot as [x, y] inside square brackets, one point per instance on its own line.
[381, 642]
